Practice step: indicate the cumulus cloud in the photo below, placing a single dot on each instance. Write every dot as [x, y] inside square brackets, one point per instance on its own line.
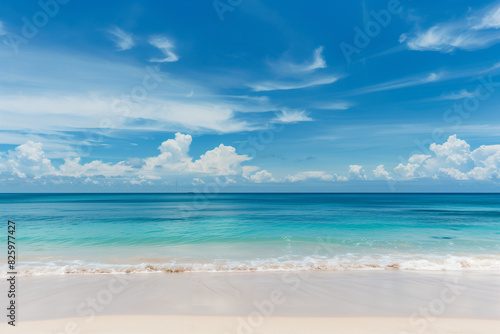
[123, 40]
[407, 172]
[29, 161]
[166, 46]
[477, 30]
[356, 172]
[174, 157]
[291, 116]
[174, 153]
[453, 159]
[73, 168]
[197, 181]
[418, 158]
[247, 170]
[263, 177]
[222, 160]
[381, 173]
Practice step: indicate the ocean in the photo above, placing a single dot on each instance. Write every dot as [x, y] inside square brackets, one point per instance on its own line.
[123, 233]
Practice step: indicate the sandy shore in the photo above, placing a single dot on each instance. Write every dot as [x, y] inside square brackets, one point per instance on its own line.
[274, 325]
[280, 302]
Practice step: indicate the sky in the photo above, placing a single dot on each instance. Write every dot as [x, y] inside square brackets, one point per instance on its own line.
[249, 96]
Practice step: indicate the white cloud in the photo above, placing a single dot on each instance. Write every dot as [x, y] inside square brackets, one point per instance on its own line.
[463, 93]
[73, 168]
[197, 181]
[490, 20]
[452, 159]
[400, 83]
[222, 160]
[407, 172]
[455, 160]
[263, 177]
[113, 91]
[174, 153]
[68, 113]
[473, 32]
[418, 158]
[247, 170]
[166, 46]
[283, 85]
[381, 173]
[454, 150]
[317, 62]
[341, 105]
[291, 116]
[318, 175]
[89, 180]
[356, 172]
[29, 161]
[123, 40]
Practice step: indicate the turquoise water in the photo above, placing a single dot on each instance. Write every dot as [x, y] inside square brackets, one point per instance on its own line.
[91, 233]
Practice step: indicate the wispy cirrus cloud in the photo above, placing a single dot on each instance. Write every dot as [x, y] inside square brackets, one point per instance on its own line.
[290, 75]
[336, 105]
[166, 46]
[288, 67]
[284, 85]
[476, 31]
[490, 19]
[105, 91]
[291, 116]
[399, 83]
[124, 41]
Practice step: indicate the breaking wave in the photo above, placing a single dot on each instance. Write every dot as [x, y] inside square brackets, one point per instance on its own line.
[339, 263]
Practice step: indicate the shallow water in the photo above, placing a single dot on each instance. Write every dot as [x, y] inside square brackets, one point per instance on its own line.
[75, 233]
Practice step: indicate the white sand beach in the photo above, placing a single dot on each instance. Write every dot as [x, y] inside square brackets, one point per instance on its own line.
[217, 325]
[265, 302]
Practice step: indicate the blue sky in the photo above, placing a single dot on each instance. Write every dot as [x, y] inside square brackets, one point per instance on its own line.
[249, 96]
